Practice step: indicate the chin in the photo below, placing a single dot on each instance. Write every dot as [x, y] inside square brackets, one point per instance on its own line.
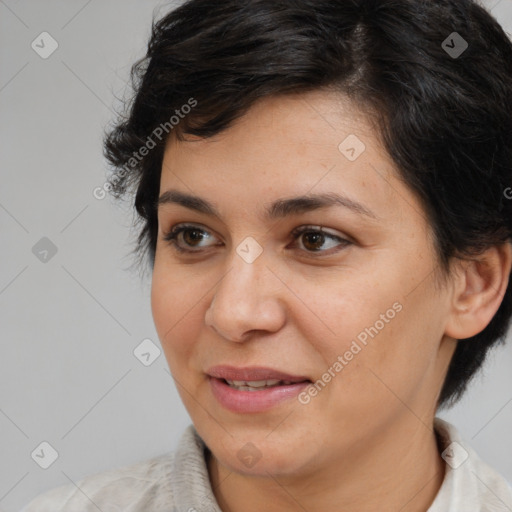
[255, 455]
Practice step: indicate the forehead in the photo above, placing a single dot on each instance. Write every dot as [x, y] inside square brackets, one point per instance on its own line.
[319, 118]
[290, 145]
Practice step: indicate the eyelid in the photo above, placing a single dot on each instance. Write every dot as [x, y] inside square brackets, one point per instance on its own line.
[315, 227]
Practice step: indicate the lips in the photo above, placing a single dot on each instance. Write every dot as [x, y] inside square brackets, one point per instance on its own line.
[253, 374]
[256, 385]
[255, 389]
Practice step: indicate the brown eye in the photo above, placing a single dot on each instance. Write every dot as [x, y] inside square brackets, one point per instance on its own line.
[313, 239]
[185, 237]
[192, 236]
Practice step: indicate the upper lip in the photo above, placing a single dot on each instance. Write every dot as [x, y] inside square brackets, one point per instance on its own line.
[252, 373]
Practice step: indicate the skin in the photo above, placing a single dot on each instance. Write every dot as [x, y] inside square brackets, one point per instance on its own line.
[366, 441]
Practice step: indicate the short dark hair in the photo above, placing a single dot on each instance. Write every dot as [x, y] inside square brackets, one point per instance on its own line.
[444, 118]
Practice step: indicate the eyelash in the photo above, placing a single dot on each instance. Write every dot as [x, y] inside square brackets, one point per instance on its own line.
[172, 235]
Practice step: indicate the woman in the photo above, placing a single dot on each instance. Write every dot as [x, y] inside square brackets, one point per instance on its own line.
[323, 191]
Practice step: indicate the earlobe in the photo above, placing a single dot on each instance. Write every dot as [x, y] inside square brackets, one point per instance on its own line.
[479, 287]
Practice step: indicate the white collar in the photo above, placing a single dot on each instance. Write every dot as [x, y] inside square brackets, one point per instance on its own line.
[469, 485]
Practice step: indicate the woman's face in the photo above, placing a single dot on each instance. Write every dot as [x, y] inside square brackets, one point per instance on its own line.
[351, 315]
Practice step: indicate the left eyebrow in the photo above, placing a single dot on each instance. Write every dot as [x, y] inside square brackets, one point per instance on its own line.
[301, 204]
[278, 209]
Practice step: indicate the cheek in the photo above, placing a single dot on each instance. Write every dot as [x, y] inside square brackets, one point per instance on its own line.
[386, 364]
[178, 309]
[375, 327]
[343, 307]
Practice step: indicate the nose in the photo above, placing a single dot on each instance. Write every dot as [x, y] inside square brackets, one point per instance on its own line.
[247, 299]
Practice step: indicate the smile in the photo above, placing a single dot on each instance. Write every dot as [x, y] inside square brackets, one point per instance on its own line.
[244, 397]
[256, 385]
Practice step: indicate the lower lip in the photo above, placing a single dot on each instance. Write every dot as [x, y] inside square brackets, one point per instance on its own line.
[253, 401]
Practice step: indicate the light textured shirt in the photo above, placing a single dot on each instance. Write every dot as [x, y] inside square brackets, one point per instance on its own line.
[179, 482]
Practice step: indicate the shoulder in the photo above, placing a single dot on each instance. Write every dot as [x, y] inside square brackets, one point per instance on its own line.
[129, 488]
[173, 481]
[469, 481]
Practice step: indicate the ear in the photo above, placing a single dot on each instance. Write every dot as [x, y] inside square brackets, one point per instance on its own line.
[479, 287]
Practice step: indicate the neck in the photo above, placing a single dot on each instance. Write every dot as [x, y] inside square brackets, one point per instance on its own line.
[399, 470]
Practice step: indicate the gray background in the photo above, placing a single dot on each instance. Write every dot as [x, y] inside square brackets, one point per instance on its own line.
[69, 326]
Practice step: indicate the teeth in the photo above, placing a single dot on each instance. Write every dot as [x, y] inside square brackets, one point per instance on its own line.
[253, 385]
